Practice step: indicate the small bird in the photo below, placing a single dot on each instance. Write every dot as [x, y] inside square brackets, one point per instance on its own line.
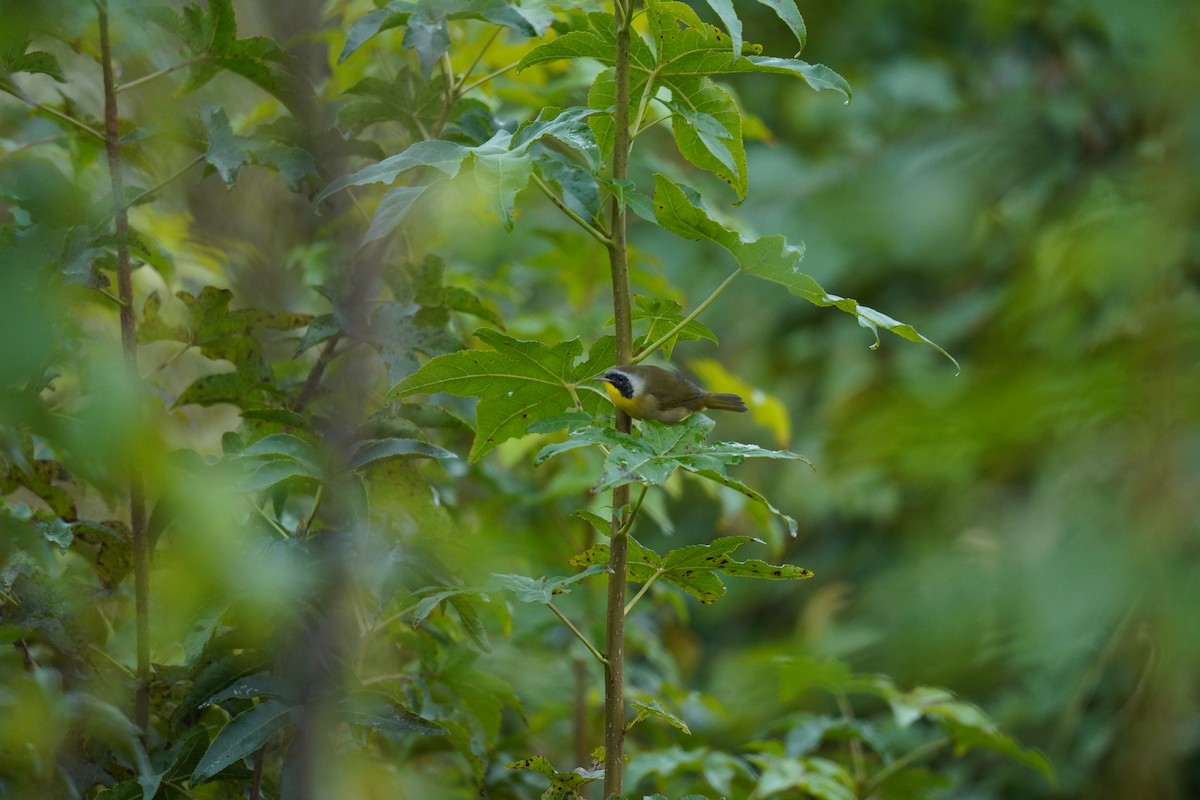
[646, 392]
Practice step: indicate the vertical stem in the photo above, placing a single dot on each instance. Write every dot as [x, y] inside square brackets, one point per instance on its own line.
[614, 641]
[137, 496]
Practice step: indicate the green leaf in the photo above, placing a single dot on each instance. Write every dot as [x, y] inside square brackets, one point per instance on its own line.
[321, 329]
[540, 590]
[787, 11]
[375, 711]
[243, 735]
[518, 382]
[277, 470]
[363, 29]
[770, 258]
[966, 723]
[225, 150]
[283, 444]
[446, 157]
[525, 20]
[707, 126]
[692, 568]
[655, 709]
[816, 777]
[392, 209]
[428, 35]
[501, 172]
[563, 785]
[728, 16]
[661, 315]
[374, 450]
[653, 458]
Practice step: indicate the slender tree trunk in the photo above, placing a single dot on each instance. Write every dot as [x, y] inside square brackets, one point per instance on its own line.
[137, 492]
[614, 640]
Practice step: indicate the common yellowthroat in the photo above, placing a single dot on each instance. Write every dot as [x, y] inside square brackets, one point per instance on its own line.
[646, 392]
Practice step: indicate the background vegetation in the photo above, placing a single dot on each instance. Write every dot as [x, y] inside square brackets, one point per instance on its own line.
[1017, 181]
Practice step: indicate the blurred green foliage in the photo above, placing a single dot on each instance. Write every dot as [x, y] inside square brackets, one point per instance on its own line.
[1017, 179]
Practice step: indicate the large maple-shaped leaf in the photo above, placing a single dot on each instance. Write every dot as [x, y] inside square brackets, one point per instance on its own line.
[770, 258]
[694, 568]
[517, 382]
[654, 457]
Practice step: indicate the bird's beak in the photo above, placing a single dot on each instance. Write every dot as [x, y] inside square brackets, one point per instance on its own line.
[599, 378]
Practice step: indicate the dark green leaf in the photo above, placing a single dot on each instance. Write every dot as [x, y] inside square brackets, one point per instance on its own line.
[770, 258]
[242, 736]
[518, 382]
[374, 450]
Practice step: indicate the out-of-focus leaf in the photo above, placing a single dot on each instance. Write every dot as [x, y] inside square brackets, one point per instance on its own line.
[654, 709]
[540, 590]
[693, 568]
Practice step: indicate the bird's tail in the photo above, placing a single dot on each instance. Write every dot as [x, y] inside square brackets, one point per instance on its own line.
[724, 402]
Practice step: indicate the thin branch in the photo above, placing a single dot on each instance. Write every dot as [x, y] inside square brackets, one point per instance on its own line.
[856, 751]
[67, 118]
[490, 76]
[641, 592]
[595, 232]
[458, 90]
[900, 763]
[35, 143]
[666, 337]
[283, 534]
[137, 490]
[160, 73]
[316, 506]
[596, 654]
[173, 176]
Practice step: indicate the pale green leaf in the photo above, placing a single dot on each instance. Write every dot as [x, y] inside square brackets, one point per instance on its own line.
[392, 209]
[654, 709]
[226, 152]
[540, 590]
[441, 155]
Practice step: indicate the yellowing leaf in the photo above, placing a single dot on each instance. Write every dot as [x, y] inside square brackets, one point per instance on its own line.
[766, 409]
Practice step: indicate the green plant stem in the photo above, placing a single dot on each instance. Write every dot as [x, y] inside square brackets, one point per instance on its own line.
[28, 145]
[137, 491]
[618, 255]
[596, 654]
[67, 118]
[462, 79]
[158, 74]
[637, 506]
[641, 592]
[283, 534]
[496, 73]
[683, 323]
[173, 176]
[592, 230]
[856, 751]
[900, 763]
[316, 505]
